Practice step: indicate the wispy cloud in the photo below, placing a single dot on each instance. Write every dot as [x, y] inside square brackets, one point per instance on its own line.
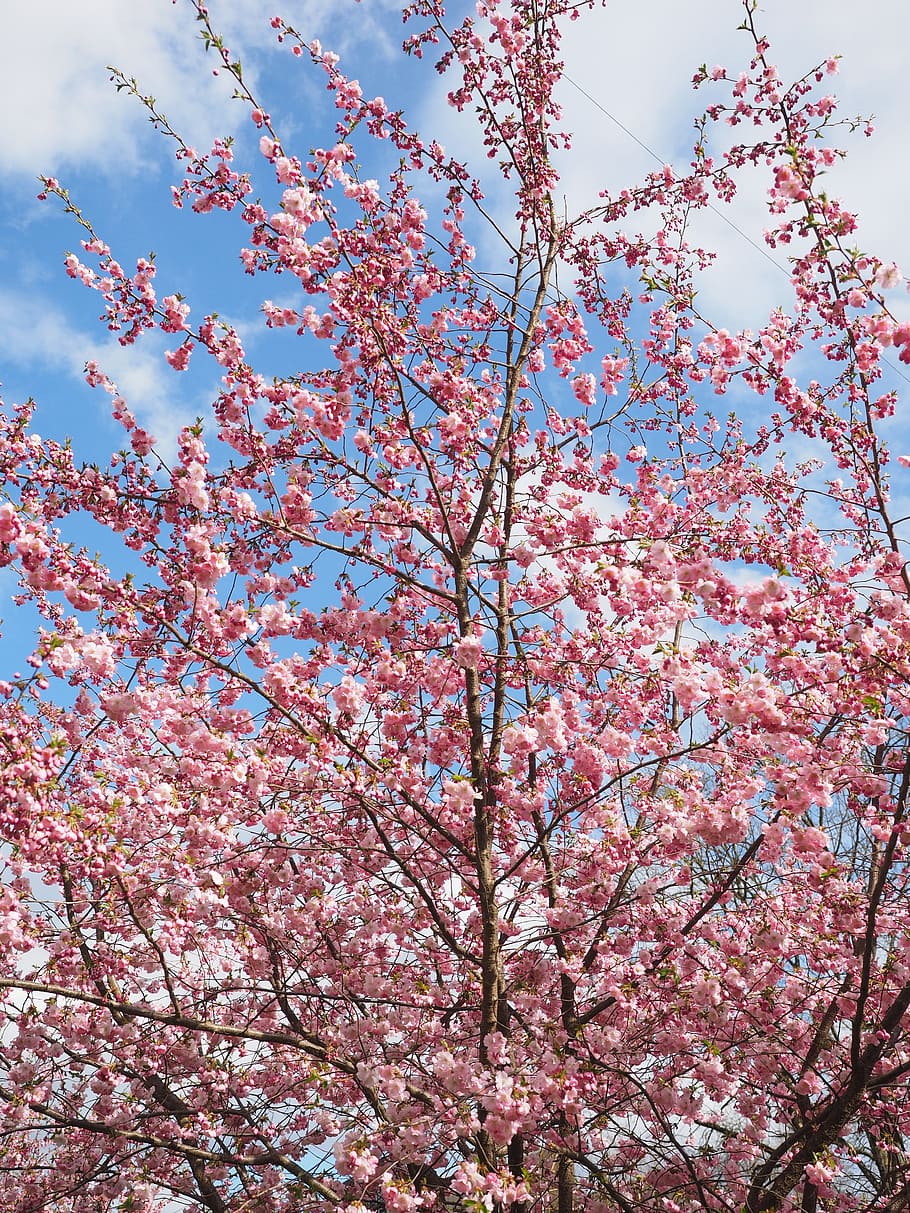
[37, 336]
[52, 71]
[636, 61]
[53, 59]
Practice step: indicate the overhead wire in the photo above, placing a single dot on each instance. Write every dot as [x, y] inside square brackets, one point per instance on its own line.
[716, 210]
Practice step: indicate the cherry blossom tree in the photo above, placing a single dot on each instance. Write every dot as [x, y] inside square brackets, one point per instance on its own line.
[488, 787]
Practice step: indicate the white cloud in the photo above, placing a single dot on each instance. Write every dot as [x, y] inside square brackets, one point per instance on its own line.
[636, 60]
[34, 334]
[53, 73]
[53, 59]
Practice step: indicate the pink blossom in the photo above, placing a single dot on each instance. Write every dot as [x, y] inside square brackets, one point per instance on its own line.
[119, 707]
[585, 389]
[613, 373]
[888, 276]
[10, 528]
[179, 359]
[468, 652]
[349, 697]
[444, 810]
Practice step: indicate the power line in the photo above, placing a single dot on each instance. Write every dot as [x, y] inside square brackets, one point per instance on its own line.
[659, 160]
[716, 210]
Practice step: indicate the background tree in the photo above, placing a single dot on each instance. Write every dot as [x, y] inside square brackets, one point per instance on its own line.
[475, 776]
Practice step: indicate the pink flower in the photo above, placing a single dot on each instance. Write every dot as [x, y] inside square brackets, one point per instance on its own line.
[585, 389]
[551, 728]
[520, 740]
[179, 359]
[613, 369]
[888, 276]
[459, 797]
[349, 697]
[118, 707]
[10, 527]
[175, 314]
[468, 652]
[141, 441]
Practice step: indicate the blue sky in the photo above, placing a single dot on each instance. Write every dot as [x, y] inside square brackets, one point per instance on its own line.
[635, 59]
